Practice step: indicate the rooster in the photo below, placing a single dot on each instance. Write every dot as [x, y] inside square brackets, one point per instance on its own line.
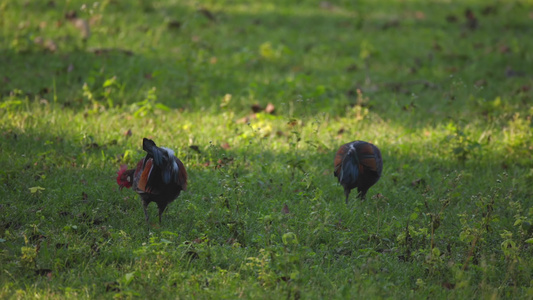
[159, 177]
[358, 165]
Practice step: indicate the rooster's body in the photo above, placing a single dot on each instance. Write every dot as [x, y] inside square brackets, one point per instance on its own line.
[358, 165]
[159, 177]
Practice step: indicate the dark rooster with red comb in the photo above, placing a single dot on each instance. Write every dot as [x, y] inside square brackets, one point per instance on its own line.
[159, 177]
[358, 165]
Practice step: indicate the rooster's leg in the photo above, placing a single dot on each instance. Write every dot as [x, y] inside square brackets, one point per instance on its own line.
[145, 207]
[161, 210]
[346, 193]
[361, 194]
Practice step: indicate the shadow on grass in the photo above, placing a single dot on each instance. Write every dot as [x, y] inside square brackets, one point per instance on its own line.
[280, 54]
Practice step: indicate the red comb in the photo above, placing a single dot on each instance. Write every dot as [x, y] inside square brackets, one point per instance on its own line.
[120, 181]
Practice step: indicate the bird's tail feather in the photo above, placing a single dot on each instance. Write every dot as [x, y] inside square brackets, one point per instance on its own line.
[170, 172]
[162, 159]
[349, 171]
[152, 150]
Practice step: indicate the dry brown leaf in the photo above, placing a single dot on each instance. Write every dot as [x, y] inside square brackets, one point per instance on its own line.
[270, 108]
[417, 182]
[196, 148]
[480, 83]
[50, 45]
[174, 24]
[420, 15]
[285, 209]
[256, 108]
[83, 27]
[208, 14]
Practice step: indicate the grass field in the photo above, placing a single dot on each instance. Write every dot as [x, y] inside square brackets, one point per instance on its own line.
[443, 88]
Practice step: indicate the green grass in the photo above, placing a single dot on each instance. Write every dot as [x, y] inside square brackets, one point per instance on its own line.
[448, 105]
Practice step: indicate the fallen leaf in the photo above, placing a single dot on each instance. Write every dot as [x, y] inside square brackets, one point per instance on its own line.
[50, 45]
[512, 73]
[102, 51]
[195, 148]
[43, 272]
[174, 24]
[95, 19]
[451, 69]
[451, 19]
[352, 68]
[70, 15]
[378, 196]
[417, 182]
[204, 11]
[92, 146]
[245, 120]
[488, 10]
[480, 83]
[391, 24]
[285, 209]
[270, 108]
[112, 286]
[256, 108]
[504, 49]
[420, 15]
[292, 122]
[448, 285]
[84, 28]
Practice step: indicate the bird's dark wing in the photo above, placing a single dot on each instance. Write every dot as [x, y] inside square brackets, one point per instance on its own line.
[369, 156]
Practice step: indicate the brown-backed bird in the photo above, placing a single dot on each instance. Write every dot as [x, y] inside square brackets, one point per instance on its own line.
[358, 165]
